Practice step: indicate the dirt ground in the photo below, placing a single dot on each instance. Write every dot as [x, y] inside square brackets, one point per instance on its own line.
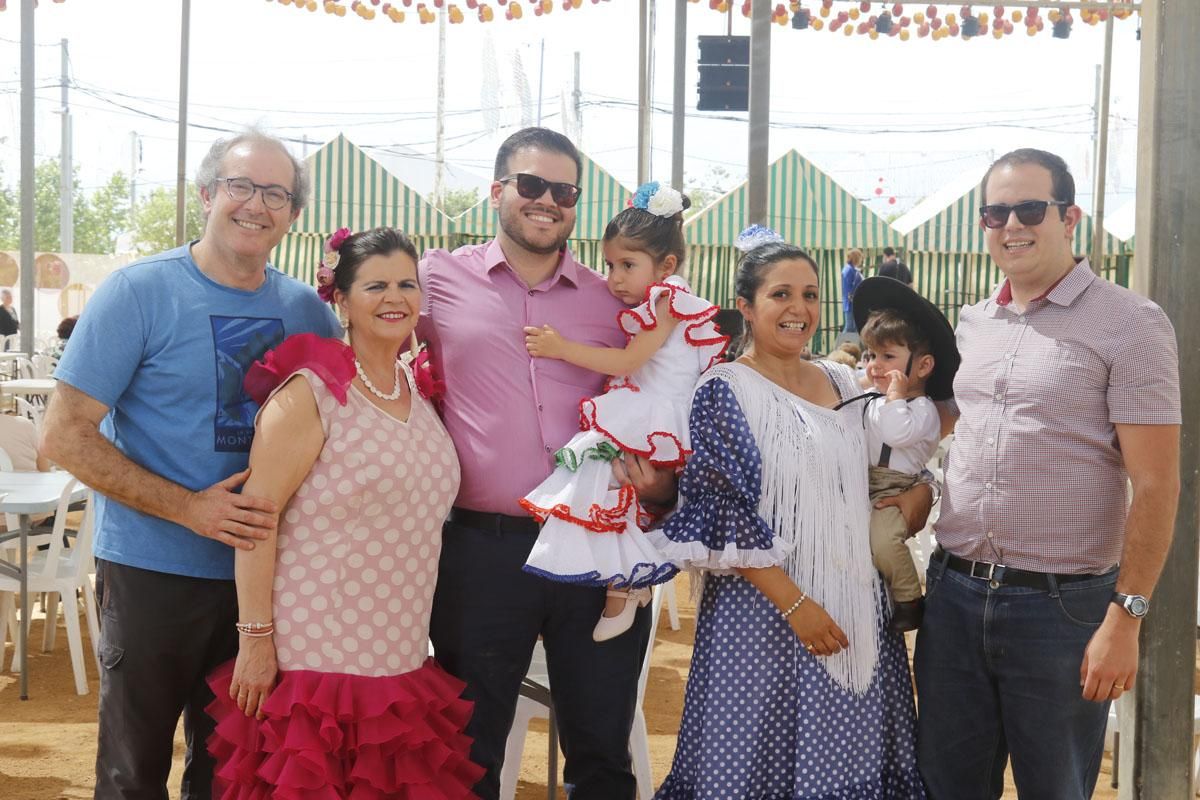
[47, 744]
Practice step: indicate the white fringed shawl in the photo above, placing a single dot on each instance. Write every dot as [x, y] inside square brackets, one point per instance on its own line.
[814, 496]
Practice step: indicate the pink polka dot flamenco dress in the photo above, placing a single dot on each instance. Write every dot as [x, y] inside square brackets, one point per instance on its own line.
[360, 710]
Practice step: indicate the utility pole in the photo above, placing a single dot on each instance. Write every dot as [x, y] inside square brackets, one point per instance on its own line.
[541, 78]
[135, 160]
[439, 158]
[644, 111]
[1101, 172]
[577, 106]
[181, 159]
[679, 94]
[760, 111]
[66, 208]
[1157, 717]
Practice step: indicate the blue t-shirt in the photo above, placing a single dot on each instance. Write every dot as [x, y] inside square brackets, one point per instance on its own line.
[166, 349]
[851, 278]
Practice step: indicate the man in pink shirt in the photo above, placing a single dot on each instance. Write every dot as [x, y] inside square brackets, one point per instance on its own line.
[1069, 385]
[507, 414]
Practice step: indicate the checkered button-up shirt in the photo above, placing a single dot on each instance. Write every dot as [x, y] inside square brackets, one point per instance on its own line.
[1034, 478]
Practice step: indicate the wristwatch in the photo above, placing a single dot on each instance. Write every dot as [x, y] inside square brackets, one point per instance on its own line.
[1135, 605]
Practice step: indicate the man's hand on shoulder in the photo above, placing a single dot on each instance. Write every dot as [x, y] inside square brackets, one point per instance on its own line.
[234, 519]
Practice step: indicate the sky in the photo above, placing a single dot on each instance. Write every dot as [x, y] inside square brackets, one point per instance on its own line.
[903, 117]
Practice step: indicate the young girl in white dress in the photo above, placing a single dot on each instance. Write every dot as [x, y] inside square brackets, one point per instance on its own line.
[592, 533]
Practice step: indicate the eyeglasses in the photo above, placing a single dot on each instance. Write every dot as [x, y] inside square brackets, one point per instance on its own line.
[242, 189]
[1031, 212]
[531, 187]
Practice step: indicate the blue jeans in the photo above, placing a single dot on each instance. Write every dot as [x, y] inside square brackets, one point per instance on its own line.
[997, 674]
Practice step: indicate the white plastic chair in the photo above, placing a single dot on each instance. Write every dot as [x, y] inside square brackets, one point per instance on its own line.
[61, 570]
[12, 341]
[529, 709]
[43, 365]
[30, 411]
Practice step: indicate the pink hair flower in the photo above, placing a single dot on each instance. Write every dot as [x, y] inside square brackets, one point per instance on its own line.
[338, 239]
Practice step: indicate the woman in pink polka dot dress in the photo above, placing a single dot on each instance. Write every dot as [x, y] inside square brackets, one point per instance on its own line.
[332, 694]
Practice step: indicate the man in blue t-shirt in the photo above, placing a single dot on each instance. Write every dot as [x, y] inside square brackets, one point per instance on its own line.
[851, 277]
[150, 412]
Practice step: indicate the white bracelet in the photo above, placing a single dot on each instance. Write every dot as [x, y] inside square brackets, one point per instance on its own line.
[791, 610]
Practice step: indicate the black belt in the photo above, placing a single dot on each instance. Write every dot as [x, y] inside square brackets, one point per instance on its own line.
[500, 523]
[999, 575]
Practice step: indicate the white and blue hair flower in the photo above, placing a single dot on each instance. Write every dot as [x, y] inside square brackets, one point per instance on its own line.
[754, 236]
[659, 200]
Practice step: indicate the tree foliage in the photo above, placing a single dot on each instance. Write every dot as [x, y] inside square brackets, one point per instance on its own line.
[456, 201]
[154, 221]
[102, 216]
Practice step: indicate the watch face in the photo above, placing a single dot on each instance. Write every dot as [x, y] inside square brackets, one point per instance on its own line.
[1138, 606]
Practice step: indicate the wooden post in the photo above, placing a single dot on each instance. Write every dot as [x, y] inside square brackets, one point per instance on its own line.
[1156, 740]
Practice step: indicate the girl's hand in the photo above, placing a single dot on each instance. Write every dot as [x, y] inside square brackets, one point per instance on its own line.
[898, 388]
[816, 630]
[253, 674]
[544, 342]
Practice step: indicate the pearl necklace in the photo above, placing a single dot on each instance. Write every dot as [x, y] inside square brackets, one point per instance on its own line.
[362, 376]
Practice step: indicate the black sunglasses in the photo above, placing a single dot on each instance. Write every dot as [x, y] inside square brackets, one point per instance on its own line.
[1031, 212]
[531, 187]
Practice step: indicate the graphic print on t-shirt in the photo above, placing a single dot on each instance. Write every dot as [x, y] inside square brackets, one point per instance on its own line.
[237, 343]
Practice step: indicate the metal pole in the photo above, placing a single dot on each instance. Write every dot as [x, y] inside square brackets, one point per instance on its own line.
[1157, 756]
[643, 118]
[439, 170]
[1097, 257]
[760, 111]
[27, 321]
[134, 159]
[679, 95]
[181, 166]
[577, 106]
[66, 199]
[541, 78]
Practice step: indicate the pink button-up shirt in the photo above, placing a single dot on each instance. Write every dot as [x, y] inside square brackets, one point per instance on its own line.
[506, 411]
[1034, 478]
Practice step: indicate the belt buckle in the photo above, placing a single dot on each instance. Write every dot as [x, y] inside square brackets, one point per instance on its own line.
[990, 577]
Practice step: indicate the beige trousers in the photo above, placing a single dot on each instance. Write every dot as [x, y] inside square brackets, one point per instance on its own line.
[889, 532]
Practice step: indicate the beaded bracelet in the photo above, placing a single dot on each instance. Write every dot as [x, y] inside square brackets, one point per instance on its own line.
[256, 630]
[794, 606]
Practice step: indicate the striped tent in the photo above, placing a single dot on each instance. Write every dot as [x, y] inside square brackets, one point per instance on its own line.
[602, 198]
[351, 190]
[947, 252]
[807, 208]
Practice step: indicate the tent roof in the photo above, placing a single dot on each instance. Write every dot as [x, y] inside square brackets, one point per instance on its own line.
[602, 198]
[353, 190]
[806, 207]
[948, 222]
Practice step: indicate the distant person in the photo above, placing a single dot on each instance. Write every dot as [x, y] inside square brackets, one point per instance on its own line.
[150, 411]
[851, 277]
[9, 324]
[65, 328]
[893, 267]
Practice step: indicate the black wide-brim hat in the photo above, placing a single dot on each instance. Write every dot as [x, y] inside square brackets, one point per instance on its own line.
[880, 292]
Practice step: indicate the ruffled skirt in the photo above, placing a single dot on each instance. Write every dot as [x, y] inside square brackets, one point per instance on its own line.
[330, 736]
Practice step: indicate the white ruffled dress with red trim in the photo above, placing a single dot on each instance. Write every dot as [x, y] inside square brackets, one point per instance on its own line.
[591, 533]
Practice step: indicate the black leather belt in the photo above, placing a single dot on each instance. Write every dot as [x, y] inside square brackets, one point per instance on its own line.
[999, 575]
[487, 521]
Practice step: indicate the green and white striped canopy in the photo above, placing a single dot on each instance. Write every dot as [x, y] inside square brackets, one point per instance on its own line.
[352, 190]
[807, 208]
[602, 197]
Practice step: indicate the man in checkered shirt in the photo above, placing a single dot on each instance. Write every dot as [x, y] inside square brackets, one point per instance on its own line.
[1069, 385]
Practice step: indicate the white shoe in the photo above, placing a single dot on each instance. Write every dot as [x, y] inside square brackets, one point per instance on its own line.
[611, 627]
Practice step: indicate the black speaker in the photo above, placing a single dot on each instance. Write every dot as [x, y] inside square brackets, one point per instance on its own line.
[725, 50]
[723, 88]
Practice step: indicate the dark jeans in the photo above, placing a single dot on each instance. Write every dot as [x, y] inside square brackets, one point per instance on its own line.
[487, 615]
[160, 636]
[997, 674]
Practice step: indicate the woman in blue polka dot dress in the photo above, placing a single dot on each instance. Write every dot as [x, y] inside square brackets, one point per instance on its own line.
[797, 690]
